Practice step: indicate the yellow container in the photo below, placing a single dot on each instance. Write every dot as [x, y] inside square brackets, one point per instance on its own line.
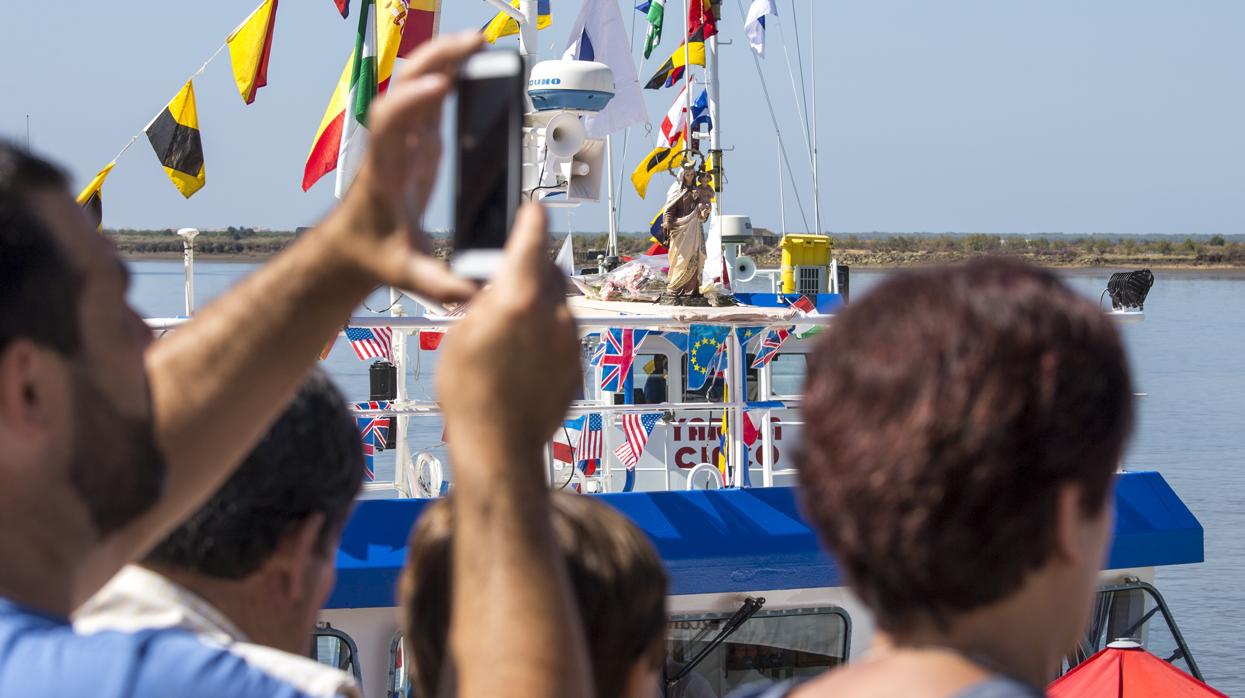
[802, 251]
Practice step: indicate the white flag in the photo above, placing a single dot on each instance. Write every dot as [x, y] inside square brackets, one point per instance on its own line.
[566, 257]
[598, 35]
[754, 25]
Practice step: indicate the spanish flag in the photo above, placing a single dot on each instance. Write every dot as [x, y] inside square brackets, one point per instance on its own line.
[661, 159]
[401, 26]
[672, 69]
[91, 199]
[249, 47]
[503, 25]
[174, 135]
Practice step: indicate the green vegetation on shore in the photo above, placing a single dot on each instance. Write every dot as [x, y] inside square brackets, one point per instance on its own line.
[862, 249]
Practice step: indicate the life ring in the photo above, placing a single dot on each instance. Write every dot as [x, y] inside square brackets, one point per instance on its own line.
[427, 476]
[714, 476]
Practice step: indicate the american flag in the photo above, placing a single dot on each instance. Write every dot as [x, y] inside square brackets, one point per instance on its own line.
[637, 428]
[773, 341]
[371, 342]
[374, 430]
[590, 440]
[620, 347]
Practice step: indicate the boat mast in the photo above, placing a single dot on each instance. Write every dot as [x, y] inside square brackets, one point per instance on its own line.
[715, 127]
[612, 247]
[527, 31]
[812, 60]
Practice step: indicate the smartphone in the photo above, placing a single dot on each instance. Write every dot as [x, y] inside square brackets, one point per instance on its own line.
[488, 162]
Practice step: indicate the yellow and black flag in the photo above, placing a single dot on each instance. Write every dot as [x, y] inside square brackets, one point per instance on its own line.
[175, 137]
[672, 69]
[91, 199]
[660, 159]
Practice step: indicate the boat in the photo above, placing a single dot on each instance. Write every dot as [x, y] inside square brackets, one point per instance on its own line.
[752, 593]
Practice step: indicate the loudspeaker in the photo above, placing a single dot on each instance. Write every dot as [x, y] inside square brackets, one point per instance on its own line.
[586, 170]
[564, 135]
[745, 269]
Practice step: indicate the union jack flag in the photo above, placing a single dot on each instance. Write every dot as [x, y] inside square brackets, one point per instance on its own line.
[804, 306]
[371, 342]
[374, 431]
[430, 340]
[773, 341]
[597, 353]
[620, 347]
[637, 428]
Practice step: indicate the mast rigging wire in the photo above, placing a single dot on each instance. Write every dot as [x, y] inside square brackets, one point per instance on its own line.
[769, 103]
[797, 94]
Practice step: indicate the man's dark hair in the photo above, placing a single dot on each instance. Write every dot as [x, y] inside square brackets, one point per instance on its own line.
[310, 461]
[944, 412]
[616, 576]
[39, 288]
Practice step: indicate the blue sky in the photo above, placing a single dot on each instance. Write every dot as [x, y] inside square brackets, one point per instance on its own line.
[1113, 116]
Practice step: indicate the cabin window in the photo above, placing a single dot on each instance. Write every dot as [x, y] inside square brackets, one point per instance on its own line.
[332, 647]
[786, 374]
[769, 646]
[1135, 611]
[650, 378]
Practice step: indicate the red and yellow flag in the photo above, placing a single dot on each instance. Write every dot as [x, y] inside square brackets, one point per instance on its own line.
[249, 47]
[401, 25]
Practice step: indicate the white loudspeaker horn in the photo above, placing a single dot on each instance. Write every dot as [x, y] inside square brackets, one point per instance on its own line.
[586, 171]
[745, 269]
[564, 135]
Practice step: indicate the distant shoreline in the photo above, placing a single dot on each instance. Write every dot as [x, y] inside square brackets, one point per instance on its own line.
[1168, 266]
[878, 251]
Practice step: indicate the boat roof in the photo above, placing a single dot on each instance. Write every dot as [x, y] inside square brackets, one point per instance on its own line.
[738, 540]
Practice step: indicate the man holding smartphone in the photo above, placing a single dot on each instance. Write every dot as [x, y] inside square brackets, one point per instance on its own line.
[107, 441]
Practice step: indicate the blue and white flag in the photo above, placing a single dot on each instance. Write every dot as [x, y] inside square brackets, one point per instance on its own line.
[754, 25]
[700, 111]
[598, 35]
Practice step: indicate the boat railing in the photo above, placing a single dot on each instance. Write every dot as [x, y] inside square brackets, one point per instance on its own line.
[733, 410]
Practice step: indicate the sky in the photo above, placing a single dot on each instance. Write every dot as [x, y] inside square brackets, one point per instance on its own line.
[1112, 116]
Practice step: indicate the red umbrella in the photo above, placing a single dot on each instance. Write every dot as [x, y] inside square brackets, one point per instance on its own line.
[1124, 670]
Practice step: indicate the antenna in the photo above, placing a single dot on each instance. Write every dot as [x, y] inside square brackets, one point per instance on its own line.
[28, 132]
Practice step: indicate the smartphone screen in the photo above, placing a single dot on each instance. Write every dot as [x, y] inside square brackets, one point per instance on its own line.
[488, 151]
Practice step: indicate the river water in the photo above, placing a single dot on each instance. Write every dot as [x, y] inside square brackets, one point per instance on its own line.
[1186, 356]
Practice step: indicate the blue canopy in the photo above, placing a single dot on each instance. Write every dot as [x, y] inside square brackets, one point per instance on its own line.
[717, 541]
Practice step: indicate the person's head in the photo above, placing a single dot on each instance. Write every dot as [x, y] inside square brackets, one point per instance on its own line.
[78, 456]
[618, 581]
[963, 427]
[688, 177]
[263, 547]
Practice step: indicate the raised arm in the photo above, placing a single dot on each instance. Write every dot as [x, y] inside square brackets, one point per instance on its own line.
[219, 381]
[508, 373]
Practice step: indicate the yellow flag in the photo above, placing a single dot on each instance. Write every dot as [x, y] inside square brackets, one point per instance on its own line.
[502, 25]
[249, 47]
[672, 68]
[660, 159]
[91, 198]
[174, 135]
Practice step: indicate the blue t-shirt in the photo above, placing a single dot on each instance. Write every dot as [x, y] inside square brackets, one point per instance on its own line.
[41, 655]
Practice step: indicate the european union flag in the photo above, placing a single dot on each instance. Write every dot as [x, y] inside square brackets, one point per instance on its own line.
[747, 334]
[706, 354]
